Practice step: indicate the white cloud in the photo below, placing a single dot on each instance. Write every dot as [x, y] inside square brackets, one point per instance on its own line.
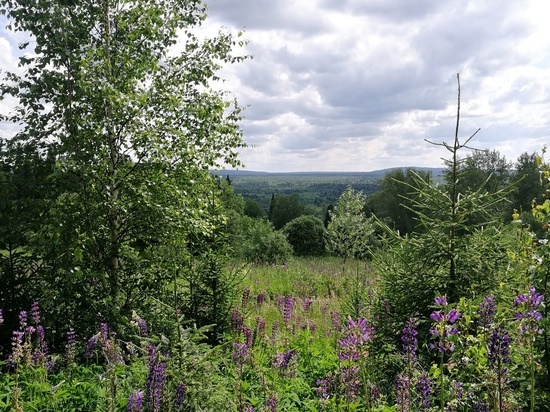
[358, 85]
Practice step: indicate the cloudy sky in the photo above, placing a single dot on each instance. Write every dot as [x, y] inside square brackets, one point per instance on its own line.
[358, 85]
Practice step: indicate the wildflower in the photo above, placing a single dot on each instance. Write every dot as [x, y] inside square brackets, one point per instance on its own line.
[17, 351]
[480, 406]
[104, 331]
[237, 321]
[1, 317]
[288, 309]
[486, 311]
[271, 403]
[23, 319]
[444, 329]
[409, 340]
[35, 313]
[259, 329]
[156, 379]
[350, 381]
[142, 325]
[285, 362]
[274, 332]
[135, 401]
[240, 353]
[90, 347]
[499, 349]
[307, 304]
[70, 346]
[41, 352]
[260, 299]
[423, 392]
[248, 408]
[358, 334]
[402, 393]
[179, 396]
[325, 387]
[335, 318]
[245, 297]
[247, 336]
[530, 315]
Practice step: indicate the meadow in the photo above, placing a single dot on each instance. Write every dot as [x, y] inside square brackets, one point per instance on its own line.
[291, 348]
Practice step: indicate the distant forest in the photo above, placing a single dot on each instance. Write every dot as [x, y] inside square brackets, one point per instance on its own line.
[318, 189]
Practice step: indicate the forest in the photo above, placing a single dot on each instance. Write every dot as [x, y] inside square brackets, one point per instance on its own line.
[134, 278]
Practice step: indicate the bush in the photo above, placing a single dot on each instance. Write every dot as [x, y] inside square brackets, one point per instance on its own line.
[258, 242]
[306, 235]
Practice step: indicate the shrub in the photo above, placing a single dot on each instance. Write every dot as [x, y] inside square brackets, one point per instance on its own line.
[260, 243]
[306, 235]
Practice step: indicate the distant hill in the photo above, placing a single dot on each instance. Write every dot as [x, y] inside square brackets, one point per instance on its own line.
[231, 173]
[317, 189]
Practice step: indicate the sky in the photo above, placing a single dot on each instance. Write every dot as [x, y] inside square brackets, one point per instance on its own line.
[360, 85]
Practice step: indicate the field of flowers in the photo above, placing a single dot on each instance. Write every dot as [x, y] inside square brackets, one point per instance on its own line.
[294, 347]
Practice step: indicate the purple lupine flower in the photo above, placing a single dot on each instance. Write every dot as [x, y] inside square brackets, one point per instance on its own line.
[271, 403]
[325, 387]
[423, 393]
[444, 328]
[336, 319]
[248, 408]
[35, 313]
[350, 381]
[156, 380]
[441, 301]
[285, 362]
[17, 349]
[259, 329]
[22, 320]
[245, 297]
[288, 309]
[237, 321]
[486, 311]
[90, 347]
[70, 346]
[135, 401]
[403, 385]
[247, 336]
[499, 348]
[409, 340]
[142, 325]
[240, 353]
[179, 396]
[480, 406]
[41, 352]
[307, 304]
[1, 317]
[260, 299]
[457, 389]
[274, 332]
[357, 335]
[530, 315]
[104, 331]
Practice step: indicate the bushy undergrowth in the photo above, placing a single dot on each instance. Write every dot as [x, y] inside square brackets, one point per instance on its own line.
[294, 347]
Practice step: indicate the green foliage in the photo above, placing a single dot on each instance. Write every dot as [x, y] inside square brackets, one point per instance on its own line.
[393, 201]
[306, 235]
[260, 243]
[460, 251]
[133, 126]
[253, 209]
[283, 209]
[349, 230]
